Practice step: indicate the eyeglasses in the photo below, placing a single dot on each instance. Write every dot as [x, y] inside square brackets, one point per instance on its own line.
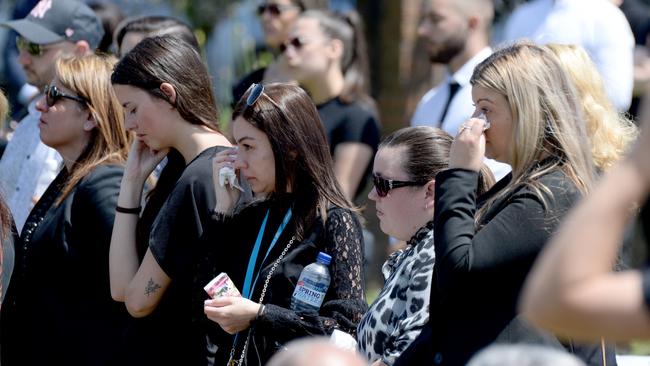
[53, 94]
[383, 186]
[33, 49]
[273, 9]
[296, 42]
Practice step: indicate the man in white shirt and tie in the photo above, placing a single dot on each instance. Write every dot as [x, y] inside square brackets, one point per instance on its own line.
[456, 34]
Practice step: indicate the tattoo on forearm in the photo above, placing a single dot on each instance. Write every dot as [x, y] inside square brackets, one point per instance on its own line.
[151, 287]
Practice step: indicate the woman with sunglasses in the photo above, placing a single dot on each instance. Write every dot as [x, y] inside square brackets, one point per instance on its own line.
[298, 211]
[404, 172]
[167, 95]
[58, 306]
[277, 17]
[486, 245]
[326, 54]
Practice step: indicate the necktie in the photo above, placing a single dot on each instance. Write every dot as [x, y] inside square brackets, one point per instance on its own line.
[453, 89]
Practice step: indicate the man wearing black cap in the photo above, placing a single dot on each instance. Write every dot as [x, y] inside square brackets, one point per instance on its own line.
[53, 29]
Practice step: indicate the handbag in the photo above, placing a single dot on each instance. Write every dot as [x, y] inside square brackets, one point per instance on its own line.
[242, 357]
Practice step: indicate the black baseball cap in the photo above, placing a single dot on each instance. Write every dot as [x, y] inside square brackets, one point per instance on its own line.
[53, 21]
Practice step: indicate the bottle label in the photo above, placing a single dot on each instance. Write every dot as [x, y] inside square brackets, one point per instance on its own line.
[310, 292]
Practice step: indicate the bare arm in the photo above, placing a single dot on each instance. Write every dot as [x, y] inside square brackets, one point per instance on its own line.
[572, 289]
[350, 162]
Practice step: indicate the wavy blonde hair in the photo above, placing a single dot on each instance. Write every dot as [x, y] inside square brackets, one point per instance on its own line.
[90, 78]
[5, 214]
[610, 132]
[547, 117]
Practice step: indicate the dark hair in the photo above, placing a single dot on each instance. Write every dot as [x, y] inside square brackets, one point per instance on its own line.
[312, 4]
[348, 28]
[156, 25]
[168, 59]
[427, 154]
[288, 117]
[110, 15]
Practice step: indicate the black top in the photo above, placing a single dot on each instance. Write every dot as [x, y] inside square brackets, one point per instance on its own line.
[59, 309]
[170, 335]
[478, 274]
[344, 303]
[350, 122]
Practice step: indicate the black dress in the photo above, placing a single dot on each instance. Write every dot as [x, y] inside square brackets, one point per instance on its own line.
[171, 227]
[478, 274]
[59, 309]
[232, 241]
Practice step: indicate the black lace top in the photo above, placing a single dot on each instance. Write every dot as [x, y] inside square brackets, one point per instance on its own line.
[229, 243]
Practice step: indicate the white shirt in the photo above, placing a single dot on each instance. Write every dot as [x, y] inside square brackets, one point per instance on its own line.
[461, 107]
[27, 167]
[596, 25]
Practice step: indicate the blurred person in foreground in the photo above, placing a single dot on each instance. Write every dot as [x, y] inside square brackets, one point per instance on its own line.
[572, 289]
[315, 351]
[53, 29]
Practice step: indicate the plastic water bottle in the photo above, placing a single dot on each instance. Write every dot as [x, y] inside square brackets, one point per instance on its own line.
[312, 285]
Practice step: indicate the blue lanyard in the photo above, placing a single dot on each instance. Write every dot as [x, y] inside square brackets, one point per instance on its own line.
[248, 287]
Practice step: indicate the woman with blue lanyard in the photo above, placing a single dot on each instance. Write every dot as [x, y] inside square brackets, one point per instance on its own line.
[298, 211]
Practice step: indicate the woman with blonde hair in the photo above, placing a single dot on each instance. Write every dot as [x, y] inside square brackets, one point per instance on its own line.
[59, 302]
[7, 235]
[610, 132]
[486, 245]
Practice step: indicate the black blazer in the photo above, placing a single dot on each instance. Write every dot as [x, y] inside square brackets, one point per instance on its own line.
[59, 308]
[479, 273]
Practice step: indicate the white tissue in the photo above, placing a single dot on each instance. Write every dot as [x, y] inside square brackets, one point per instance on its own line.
[227, 176]
[343, 340]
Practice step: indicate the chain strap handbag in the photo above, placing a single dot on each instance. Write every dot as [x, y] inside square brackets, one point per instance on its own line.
[242, 357]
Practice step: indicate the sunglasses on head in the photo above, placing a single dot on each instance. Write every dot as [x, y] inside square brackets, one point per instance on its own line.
[383, 186]
[273, 9]
[53, 94]
[33, 49]
[296, 42]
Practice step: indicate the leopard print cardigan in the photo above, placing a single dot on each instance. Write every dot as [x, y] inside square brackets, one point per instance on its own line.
[401, 310]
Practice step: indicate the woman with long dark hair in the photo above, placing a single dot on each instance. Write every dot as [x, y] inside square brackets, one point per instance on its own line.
[167, 96]
[299, 210]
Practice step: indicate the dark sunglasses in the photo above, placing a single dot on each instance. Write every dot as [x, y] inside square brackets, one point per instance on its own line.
[296, 43]
[383, 186]
[33, 49]
[53, 94]
[273, 9]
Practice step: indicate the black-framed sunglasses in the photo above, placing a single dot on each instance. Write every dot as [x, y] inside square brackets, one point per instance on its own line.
[274, 9]
[33, 49]
[383, 186]
[296, 42]
[53, 94]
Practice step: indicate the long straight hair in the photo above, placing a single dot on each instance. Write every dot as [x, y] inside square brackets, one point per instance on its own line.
[5, 214]
[547, 118]
[89, 78]
[288, 117]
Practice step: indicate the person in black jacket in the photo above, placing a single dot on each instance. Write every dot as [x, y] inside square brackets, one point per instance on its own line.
[167, 95]
[58, 308]
[485, 246]
[572, 288]
[299, 210]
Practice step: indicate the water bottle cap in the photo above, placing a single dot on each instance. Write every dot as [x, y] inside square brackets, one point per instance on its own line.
[324, 258]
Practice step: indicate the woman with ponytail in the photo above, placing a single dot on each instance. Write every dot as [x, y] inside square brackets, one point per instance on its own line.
[326, 55]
